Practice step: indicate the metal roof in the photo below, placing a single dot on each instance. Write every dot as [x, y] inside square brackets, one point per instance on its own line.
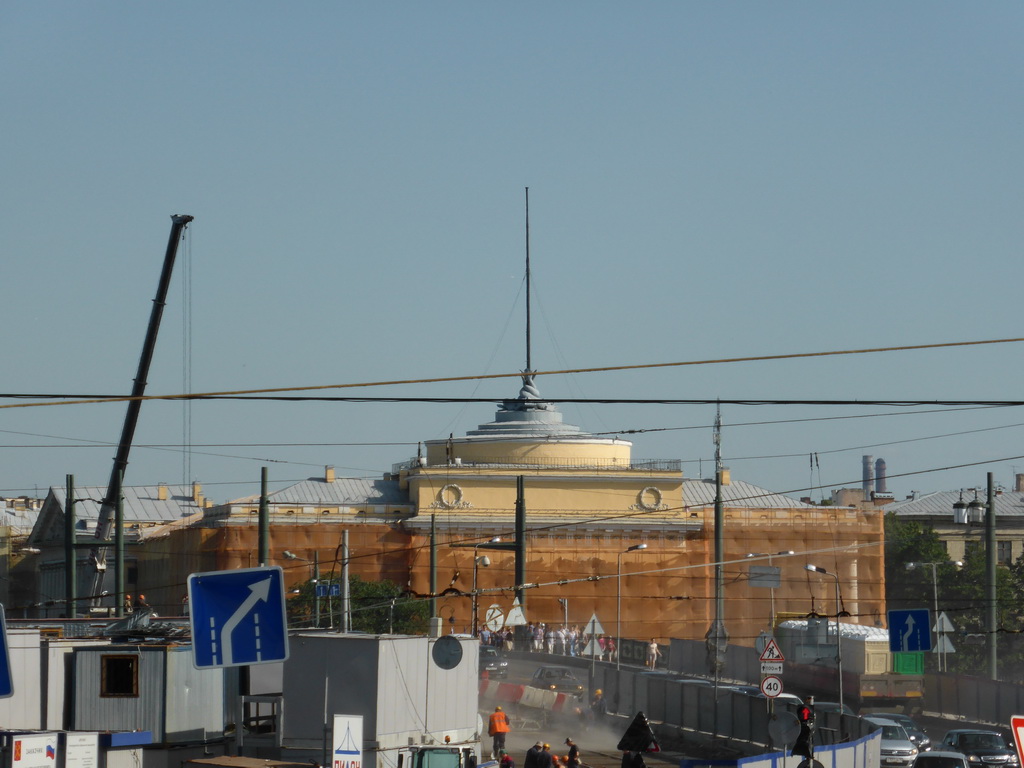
[701, 493]
[344, 491]
[142, 503]
[1008, 503]
[865, 632]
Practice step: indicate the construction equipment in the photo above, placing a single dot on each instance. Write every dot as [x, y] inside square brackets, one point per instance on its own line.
[105, 523]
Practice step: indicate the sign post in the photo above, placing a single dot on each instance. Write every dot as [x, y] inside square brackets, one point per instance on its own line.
[6, 681]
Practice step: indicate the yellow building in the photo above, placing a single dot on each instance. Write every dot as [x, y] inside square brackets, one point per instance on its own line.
[587, 503]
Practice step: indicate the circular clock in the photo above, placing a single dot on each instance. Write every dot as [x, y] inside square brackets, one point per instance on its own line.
[447, 652]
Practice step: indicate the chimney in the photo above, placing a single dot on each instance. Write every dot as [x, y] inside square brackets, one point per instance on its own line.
[880, 477]
[866, 476]
[329, 474]
[161, 492]
[1018, 483]
[197, 493]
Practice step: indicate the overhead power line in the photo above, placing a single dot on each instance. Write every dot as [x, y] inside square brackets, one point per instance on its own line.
[602, 369]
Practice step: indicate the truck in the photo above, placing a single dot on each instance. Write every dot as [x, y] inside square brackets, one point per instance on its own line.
[438, 756]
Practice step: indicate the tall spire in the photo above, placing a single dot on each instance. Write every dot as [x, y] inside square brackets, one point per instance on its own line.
[529, 366]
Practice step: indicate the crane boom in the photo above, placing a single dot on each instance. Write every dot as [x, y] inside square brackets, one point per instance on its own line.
[105, 523]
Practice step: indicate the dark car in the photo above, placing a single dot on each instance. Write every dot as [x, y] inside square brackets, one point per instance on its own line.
[561, 679]
[492, 662]
[832, 706]
[981, 747]
[941, 759]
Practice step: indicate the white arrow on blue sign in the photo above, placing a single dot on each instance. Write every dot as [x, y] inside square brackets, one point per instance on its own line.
[910, 631]
[238, 617]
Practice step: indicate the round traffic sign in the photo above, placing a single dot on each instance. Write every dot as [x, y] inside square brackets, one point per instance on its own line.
[771, 686]
[494, 618]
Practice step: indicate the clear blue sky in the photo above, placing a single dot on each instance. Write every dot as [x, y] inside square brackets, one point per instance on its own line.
[707, 180]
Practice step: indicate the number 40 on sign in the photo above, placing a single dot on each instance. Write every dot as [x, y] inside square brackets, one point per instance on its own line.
[771, 686]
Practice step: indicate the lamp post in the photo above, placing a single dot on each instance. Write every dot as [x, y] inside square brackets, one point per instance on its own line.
[315, 563]
[618, 602]
[839, 635]
[478, 560]
[935, 603]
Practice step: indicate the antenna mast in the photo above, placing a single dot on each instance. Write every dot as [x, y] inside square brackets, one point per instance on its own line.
[528, 365]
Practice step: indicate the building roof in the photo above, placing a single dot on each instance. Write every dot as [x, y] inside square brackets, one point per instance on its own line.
[698, 494]
[20, 518]
[142, 507]
[940, 503]
[142, 503]
[865, 632]
[343, 491]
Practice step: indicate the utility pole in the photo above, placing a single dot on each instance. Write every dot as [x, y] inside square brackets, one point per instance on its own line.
[991, 601]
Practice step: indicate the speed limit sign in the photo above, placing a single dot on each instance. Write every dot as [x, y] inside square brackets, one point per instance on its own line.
[771, 686]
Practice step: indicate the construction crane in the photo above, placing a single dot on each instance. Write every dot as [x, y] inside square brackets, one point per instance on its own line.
[105, 523]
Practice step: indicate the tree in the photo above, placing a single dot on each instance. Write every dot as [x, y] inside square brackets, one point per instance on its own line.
[908, 541]
[378, 607]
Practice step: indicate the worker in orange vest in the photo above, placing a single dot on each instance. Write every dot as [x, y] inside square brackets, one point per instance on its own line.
[497, 727]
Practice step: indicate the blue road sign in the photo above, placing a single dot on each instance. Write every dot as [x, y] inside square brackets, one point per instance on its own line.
[237, 617]
[328, 590]
[910, 631]
[6, 683]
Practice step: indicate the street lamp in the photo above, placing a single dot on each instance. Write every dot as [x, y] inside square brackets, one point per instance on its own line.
[478, 560]
[774, 580]
[618, 602]
[839, 634]
[315, 562]
[935, 602]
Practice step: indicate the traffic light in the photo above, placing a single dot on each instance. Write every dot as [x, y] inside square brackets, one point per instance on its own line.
[805, 741]
[804, 744]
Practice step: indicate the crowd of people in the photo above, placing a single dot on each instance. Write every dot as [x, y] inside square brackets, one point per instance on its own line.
[540, 755]
[550, 638]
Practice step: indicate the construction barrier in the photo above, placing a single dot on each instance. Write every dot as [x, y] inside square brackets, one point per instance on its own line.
[527, 696]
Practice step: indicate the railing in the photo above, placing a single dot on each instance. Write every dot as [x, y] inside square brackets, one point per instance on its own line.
[554, 462]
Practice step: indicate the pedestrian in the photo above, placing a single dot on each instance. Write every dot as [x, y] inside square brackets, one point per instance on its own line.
[505, 760]
[653, 653]
[613, 651]
[497, 728]
[572, 759]
[533, 755]
[546, 758]
[598, 706]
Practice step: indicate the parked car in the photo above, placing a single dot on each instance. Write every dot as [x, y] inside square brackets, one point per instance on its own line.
[897, 748]
[938, 758]
[561, 679]
[492, 662]
[914, 731]
[831, 706]
[980, 747]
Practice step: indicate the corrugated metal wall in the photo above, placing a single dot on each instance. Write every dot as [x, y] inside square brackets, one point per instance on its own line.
[194, 699]
[24, 710]
[93, 712]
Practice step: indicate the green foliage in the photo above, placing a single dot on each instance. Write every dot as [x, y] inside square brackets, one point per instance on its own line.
[378, 608]
[961, 594]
